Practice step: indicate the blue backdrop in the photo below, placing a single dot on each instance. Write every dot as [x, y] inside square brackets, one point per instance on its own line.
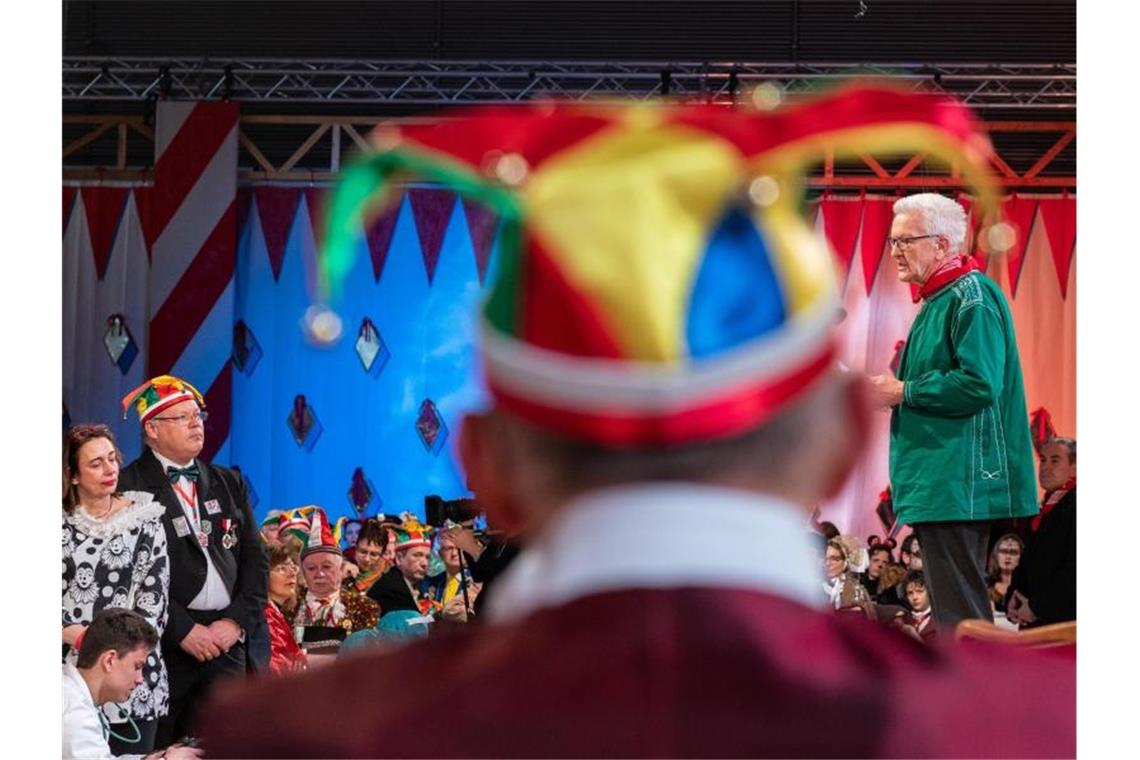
[368, 425]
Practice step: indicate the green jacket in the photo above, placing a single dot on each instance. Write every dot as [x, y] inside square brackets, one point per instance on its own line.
[960, 445]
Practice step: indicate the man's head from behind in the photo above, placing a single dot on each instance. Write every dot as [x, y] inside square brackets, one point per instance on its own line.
[114, 650]
[1057, 463]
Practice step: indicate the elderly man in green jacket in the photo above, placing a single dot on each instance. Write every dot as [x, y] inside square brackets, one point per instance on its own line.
[961, 454]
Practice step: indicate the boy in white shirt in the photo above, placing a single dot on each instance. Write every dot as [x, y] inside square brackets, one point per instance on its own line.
[112, 652]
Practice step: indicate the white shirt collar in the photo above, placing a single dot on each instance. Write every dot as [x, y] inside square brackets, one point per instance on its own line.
[662, 535]
[169, 462]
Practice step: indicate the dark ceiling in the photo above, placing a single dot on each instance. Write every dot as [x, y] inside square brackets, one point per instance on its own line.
[827, 31]
[745, 30]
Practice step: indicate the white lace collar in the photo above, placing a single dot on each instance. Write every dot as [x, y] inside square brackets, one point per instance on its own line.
[631, 537]
[143, 507]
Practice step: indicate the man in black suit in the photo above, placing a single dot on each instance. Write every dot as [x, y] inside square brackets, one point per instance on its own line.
[1044, 585]
[399, 588]
[218, 570]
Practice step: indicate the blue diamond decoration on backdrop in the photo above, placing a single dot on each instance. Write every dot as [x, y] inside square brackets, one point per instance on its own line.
[246, 350]
[370, 348]
[431, 427]
[119, 343]
[303, 423]
[362, 496]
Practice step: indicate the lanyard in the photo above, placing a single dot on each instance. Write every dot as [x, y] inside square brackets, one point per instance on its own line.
[191, 500]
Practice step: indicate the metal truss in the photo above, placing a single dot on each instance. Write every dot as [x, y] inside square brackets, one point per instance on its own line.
[348, 133]
[280, 81]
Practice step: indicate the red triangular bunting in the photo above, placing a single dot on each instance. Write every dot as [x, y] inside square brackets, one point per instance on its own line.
[379, 235]
[315, 198]
[481, 224]
[69, 192]
[1060, 218]
[104, 207]
[431, 210]
[144, 204]
[841, 225]
[276, 207]
[218, 400]
[877, 215]
[1019, 213]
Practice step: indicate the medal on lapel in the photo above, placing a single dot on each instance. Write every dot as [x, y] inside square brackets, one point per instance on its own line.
[229, 533]
[204, 533]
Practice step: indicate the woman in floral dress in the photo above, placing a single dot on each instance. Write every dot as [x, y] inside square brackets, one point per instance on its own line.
[114, 555]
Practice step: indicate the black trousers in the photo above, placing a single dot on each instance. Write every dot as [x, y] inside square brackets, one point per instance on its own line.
[145, 743]
[191, 682]
[954, 561]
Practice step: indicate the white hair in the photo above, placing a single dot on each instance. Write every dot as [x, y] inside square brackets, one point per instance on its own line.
[941, 215]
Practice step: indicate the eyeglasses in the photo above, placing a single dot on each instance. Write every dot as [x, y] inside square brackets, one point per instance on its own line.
[285, 568]
[905, 243]
[186, 419]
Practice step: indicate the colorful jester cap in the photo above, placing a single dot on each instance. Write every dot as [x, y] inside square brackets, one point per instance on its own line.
[412, 533]
[160, 393]
[321, 537]
[656, 281]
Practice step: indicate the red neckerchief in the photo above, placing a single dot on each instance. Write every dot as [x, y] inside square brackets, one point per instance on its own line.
[951, 270]
[1051, 499]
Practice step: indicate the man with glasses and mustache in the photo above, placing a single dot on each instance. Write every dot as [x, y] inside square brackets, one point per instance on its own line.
[217, 564]
[961, 455]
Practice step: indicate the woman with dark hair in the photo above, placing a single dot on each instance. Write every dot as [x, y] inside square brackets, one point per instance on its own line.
[1004, 559]
[284, 653]
[114, 555]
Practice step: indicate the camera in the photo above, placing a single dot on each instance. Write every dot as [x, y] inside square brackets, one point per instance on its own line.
[439, 510]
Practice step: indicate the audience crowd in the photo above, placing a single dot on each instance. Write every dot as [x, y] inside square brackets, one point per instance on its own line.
[331, 592]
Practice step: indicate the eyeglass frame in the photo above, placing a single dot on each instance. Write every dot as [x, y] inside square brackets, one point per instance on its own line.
[184, 419]
[289, 567]
[906, 242]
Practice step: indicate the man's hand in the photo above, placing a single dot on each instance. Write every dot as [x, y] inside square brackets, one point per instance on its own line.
[886, 391]
[349, 570]
[465, 539]
[454, 610]
[71, 633]
[225, 633]
[1018, 609]
[199, 644]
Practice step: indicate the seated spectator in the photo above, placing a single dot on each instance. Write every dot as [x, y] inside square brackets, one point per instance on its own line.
[285, 655]
[449, 587]
[399, 587]
[1004, 559]
[371, 546]
[112, 653]
[327, 613]
[918, 620]
[392, 631]
[1043, 589]
[845, 558]
[882, 572]
[271, 526]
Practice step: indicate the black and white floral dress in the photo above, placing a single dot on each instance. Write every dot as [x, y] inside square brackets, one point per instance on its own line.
[121, 562]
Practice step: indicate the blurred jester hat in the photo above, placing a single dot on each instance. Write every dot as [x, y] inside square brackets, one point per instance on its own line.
[656, 281]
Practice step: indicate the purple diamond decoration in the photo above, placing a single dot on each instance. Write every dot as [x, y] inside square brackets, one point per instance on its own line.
[303, 424]
[362, 494]
[246, 350]
[119, 343]
[431, 428]
[370, 348]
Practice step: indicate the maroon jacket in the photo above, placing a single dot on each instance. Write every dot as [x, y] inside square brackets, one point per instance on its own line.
[671, 672]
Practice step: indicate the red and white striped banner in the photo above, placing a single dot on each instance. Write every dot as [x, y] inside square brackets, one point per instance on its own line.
[193, 218]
